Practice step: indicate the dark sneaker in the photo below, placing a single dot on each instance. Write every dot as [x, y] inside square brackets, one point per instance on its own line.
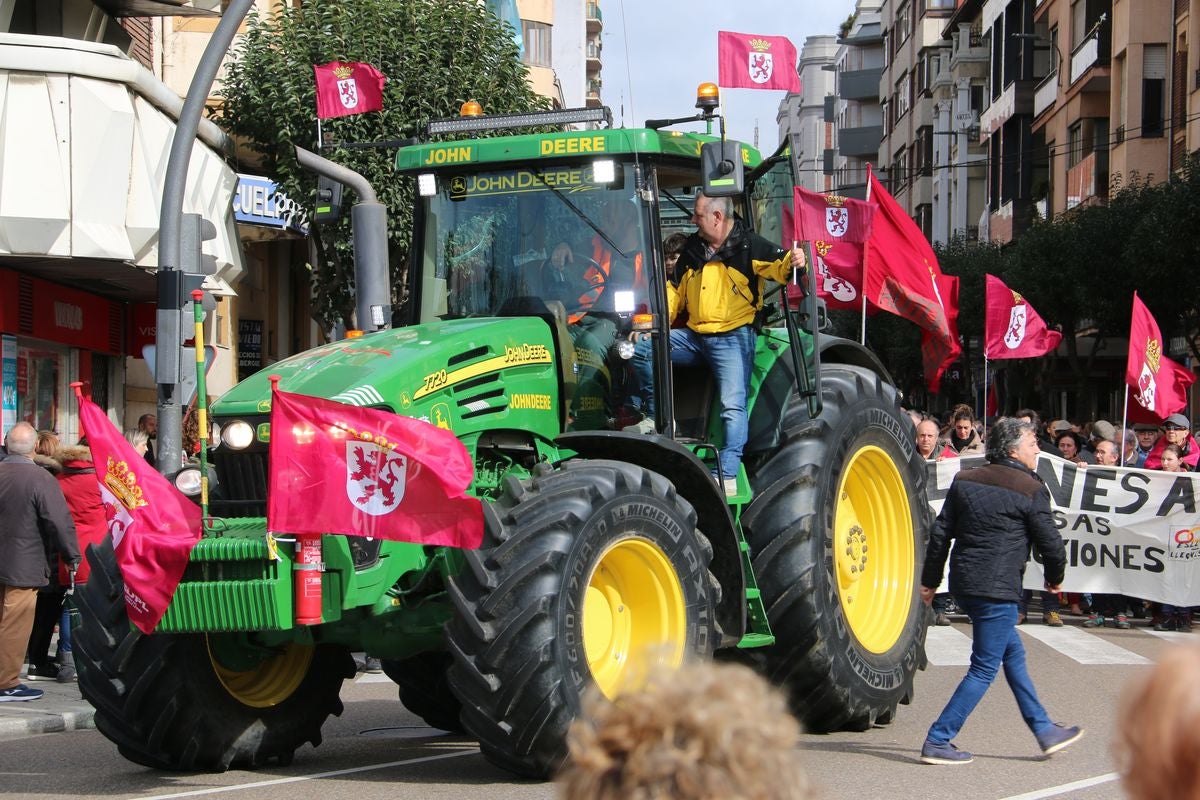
[941, 619]
[1167, 624]
[372, 666]
[944, 754]
[19, 694]
[1058, 737]
[42, 672]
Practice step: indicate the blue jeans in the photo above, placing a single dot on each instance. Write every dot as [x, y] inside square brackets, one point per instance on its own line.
[730, 356]
[995, 642]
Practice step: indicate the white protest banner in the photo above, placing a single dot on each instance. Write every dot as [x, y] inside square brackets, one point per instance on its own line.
[1127, 531]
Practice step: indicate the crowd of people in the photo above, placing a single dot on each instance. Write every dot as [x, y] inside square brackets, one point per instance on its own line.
[1169, 448]
[51, 502]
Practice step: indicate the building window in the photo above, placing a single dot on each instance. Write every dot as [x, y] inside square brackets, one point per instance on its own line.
[903, 95]
[903, 24]
[1154, 80]
[537, 43]
[896, 175]
[1075, 144]
[936, 5]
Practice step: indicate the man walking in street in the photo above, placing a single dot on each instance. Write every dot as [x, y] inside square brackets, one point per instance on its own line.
[35, 515]
[992, 514]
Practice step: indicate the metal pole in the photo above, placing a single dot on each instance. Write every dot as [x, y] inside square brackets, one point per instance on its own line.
[372, 281]
[167, 340]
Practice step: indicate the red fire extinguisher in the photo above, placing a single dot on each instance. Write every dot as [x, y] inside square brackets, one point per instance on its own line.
[307, 569]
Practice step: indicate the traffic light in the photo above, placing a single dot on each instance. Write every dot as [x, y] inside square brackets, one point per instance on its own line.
[195, 264]
[329, 200]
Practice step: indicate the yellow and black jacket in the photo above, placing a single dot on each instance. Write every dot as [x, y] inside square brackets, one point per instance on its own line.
[723, 292]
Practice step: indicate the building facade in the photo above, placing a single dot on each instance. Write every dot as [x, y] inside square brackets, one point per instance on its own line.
[802, 120]
[80, 187]
[913, 48]
[856, 112]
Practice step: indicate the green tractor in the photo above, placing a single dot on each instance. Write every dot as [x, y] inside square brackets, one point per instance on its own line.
[606, 553]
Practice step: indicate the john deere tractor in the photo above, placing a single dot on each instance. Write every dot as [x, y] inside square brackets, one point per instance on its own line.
[606, 553]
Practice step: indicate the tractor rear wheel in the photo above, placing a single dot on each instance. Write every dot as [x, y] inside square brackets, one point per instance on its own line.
[837, 532]
[425, 688]
[197, 701]
[591, 575]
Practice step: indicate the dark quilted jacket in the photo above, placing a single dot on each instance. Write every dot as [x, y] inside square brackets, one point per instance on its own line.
[992, 515]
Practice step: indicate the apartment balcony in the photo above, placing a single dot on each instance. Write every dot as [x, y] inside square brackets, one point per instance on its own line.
[593, 58]
[967, 46]
[161, 8]
[1017, 98]
[595, 20]
[862, 142]
[592, 97]
[860, 84]
[1045, 94]
[1089, 63]
[1088, 180]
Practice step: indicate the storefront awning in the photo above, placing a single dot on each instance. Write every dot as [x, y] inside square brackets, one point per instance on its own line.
[81, 174]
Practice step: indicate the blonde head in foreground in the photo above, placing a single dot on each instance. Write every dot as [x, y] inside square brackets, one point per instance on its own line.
[704, 732]
[1159, 730]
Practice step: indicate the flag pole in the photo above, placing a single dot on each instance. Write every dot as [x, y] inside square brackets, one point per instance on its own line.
[985, 392]
[320, 142]
[201, 402]
[1124, 419]
[866, 258]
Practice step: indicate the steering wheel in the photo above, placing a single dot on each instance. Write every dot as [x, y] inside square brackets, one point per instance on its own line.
[557, 286]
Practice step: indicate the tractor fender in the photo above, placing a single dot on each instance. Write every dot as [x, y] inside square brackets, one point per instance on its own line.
[836, 350]
[694, 482]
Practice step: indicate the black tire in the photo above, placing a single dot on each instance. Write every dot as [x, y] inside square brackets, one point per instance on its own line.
[835, 680]
[520, 664]
[425, 688]
[159, 697]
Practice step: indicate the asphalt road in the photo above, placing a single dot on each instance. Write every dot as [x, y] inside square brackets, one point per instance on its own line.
[377, 750]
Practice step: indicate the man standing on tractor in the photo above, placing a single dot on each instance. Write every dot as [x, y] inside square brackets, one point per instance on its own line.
[721, 270]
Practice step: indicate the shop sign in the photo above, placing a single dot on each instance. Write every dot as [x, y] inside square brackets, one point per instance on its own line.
[250, 332]
[8, 383]
[258, 201]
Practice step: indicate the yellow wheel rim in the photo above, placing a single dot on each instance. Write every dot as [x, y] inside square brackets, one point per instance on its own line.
[268, 683]
[873, 549]
[633, 615]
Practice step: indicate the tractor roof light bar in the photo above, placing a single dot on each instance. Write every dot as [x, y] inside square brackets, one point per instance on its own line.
[489, 122]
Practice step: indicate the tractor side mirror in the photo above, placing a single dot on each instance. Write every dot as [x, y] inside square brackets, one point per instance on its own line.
[721, 166]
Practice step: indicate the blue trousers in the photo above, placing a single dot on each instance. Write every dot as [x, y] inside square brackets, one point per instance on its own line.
[995, 643]
[730, 356]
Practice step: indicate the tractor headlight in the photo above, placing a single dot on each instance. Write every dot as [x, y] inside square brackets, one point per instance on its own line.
[188, 481]
[238, 435]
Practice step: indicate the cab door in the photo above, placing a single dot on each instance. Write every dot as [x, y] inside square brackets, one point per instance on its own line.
[770, 191]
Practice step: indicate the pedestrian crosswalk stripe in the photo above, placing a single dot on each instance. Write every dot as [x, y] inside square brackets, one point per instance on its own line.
[1171, 636]
[951, 646]
[372, 677]
[1081, 646]
[947, 646]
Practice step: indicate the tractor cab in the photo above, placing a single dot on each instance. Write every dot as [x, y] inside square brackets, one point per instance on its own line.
[568, 226]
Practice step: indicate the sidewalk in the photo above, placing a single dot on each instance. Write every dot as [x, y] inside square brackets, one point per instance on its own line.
[62, 708]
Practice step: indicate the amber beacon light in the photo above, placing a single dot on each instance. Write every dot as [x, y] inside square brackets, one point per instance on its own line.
[470, 109]
[708, 97]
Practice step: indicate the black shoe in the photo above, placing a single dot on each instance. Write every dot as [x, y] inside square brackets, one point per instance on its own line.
[42, 672]
[372, 667]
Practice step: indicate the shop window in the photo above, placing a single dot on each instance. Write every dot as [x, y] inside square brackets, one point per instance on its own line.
[41, 379]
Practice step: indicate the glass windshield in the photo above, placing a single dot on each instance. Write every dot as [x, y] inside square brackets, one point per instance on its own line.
[554, 233]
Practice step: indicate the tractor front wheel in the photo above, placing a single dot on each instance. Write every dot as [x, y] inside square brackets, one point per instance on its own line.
[591, 575]
[197, 701]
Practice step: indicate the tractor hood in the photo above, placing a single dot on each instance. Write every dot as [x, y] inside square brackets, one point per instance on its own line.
[504, 370]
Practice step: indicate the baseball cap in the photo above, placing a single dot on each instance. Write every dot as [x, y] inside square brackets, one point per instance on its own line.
[1061, 426]
[1145, 426]
[1103, 429]
[1179, 420]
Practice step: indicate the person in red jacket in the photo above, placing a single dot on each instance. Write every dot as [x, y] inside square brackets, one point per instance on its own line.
[78, 483]
[1176, 431]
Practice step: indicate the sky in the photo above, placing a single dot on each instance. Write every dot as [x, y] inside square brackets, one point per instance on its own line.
[656, 52]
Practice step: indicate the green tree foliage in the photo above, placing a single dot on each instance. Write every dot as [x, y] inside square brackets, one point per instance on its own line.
[435, 56]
